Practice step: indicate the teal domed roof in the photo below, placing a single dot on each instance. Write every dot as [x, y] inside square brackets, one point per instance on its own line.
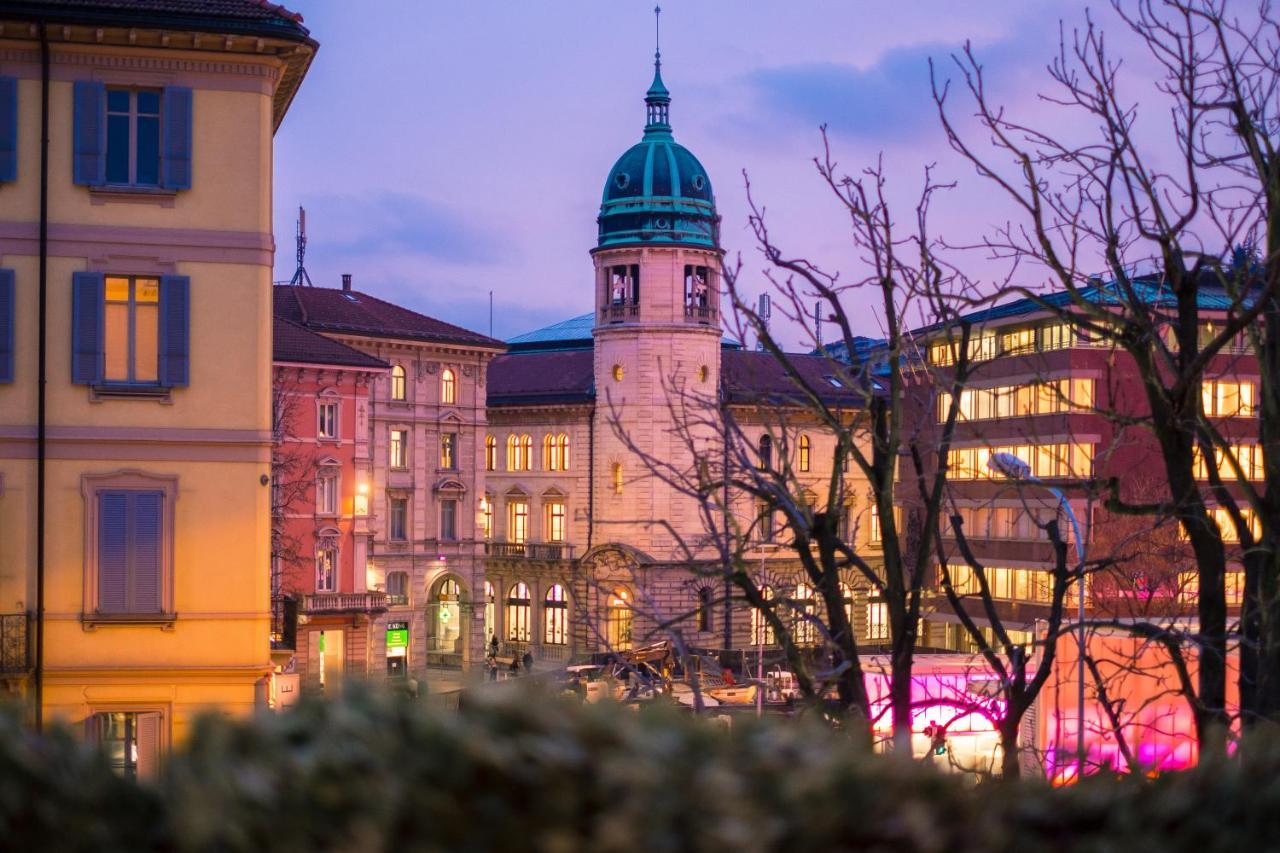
[658, 192]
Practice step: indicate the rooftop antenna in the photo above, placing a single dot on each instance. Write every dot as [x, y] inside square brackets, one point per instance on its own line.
[657, 34]
[817, 320]
[766, 309]
[300, 276]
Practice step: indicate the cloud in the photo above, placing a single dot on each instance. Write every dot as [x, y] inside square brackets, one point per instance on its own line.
[382, 224]
[890, 99]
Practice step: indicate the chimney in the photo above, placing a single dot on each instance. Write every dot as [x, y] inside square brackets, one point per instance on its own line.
[346, 282]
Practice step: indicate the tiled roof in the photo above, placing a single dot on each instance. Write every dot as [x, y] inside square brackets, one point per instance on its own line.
[294, 344]
[531, 378]
[251, 17]
[327, 309]
[758, 377]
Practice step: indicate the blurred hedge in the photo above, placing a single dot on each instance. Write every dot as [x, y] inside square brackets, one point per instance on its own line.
[526, 772]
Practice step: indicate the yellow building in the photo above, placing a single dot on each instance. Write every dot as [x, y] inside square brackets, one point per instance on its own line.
[134, 488]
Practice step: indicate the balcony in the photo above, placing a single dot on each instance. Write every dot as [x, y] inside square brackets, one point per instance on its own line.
[15, 650]
[530, 550]
[344, 602]
[705, 314]
[620, 312]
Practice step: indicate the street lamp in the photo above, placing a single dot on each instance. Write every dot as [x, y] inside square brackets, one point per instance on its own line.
[1012, 467]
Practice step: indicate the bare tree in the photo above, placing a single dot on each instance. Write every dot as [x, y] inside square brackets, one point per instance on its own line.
[294, 467]
[1107, 196]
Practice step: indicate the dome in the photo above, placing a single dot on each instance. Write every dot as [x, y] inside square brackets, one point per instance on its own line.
[658, 192]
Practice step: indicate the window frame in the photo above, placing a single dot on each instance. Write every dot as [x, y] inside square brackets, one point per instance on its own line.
[132, 115]
[131, 330]
[555, 510]
[448, 387]
[402, 462]
[330, 550]
[392, 501]
[91, 487]
[334, 433]
[399, 384]
[555, 616]
[449, 532]
[327, 485]
[449, 451]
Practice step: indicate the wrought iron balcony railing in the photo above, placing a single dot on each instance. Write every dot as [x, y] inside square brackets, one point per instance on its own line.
[15, 645]
[530, 550]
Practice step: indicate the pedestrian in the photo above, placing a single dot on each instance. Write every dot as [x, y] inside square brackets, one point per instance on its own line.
[493, 645]
[527, 660]
[492, 663]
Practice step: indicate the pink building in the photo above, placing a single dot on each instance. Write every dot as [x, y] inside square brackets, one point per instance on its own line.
[321, 472]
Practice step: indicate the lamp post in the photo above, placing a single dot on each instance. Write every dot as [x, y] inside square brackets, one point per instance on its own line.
[1017, 470]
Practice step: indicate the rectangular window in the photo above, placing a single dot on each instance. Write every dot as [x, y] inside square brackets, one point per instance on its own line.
[398, 529]
[133, 137]
[555, 521]
[764, 523]
[486, 516]
[1018, 341]
[131, 741]
[448, 450]
[490, 453]
[131, 330]
[1046, 460]
[517, 521]
[877, 620]
[327, 420]
[1228, 399]
[327, 570]
[396, 449]
[327, 494]
[448, 519]
[130, 556]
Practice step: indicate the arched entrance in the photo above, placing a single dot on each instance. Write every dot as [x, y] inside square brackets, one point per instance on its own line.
[446, 627]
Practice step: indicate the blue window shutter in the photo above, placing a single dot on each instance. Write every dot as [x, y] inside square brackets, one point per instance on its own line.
[176, 115]
[144, 589]
[8, 129]
[175, 330]
[8, 320]
[113, 552]
[87, 297]
[89, 160]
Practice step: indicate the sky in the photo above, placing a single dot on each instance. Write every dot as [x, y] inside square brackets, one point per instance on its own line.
[444, 150]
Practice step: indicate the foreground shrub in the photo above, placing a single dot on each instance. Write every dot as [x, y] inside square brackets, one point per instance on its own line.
[522, 771]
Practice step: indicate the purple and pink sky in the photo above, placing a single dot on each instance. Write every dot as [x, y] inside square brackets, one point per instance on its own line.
[446, 149]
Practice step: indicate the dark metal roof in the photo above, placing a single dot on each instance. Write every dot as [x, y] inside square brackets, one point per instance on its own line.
[326, 309]
[295, 344]
[542, 378]
[247, 17]
[758, 377]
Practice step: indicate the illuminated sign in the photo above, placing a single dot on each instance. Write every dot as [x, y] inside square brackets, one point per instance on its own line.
[397, 635]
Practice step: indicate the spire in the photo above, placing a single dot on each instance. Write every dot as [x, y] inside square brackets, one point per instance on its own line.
[657, 98]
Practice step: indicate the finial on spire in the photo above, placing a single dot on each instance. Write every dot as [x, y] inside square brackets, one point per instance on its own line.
[657, 98]
[657, 34]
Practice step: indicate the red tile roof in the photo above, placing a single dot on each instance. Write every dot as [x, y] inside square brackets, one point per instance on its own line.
[294, 344]
[532, 378]
[328, 309]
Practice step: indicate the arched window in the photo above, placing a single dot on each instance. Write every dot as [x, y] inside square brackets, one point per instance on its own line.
[766, 452]
[704, 609]
[399, 390]
[448, 387]
[513, 453]
[555, 617]
[617, 478]
[526, 452]
[805, 632]
[761, 630]
[617, 621]
[518, 607]
[550, 462]
[846, 595]
[490, 453]
[447, 619]
[804, 453]
[563, 441]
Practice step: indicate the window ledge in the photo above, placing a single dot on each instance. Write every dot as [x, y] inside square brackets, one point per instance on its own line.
[164, 621]
[158, 196]
[158, 393]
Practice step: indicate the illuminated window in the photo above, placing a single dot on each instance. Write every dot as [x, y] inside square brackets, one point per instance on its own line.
[486, 516]
[1003, 583]
[703, 373]
[513, 453]
[1247, 456]
[519, 606]
[804, 453]
[131, 330]
[555, 518]
[1018, 341]
[130, 740]
[327, 420]
[761, 630]
[517, 521]
[526, 452]
[846, 595]
[617, 478]
[1005, 401]
[618, 620]
[876, 534]
[555, 617]
[804, 631]
[449, 450]
[490, 453]
[1189, 587]
[555, 452]
[327, 494]
[397, 449]
[877, 620]
[398, 390]
[448, 387]
[1055, 461]
[1226, 399]
[617, 373]
[562, 441]
[327, 569]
